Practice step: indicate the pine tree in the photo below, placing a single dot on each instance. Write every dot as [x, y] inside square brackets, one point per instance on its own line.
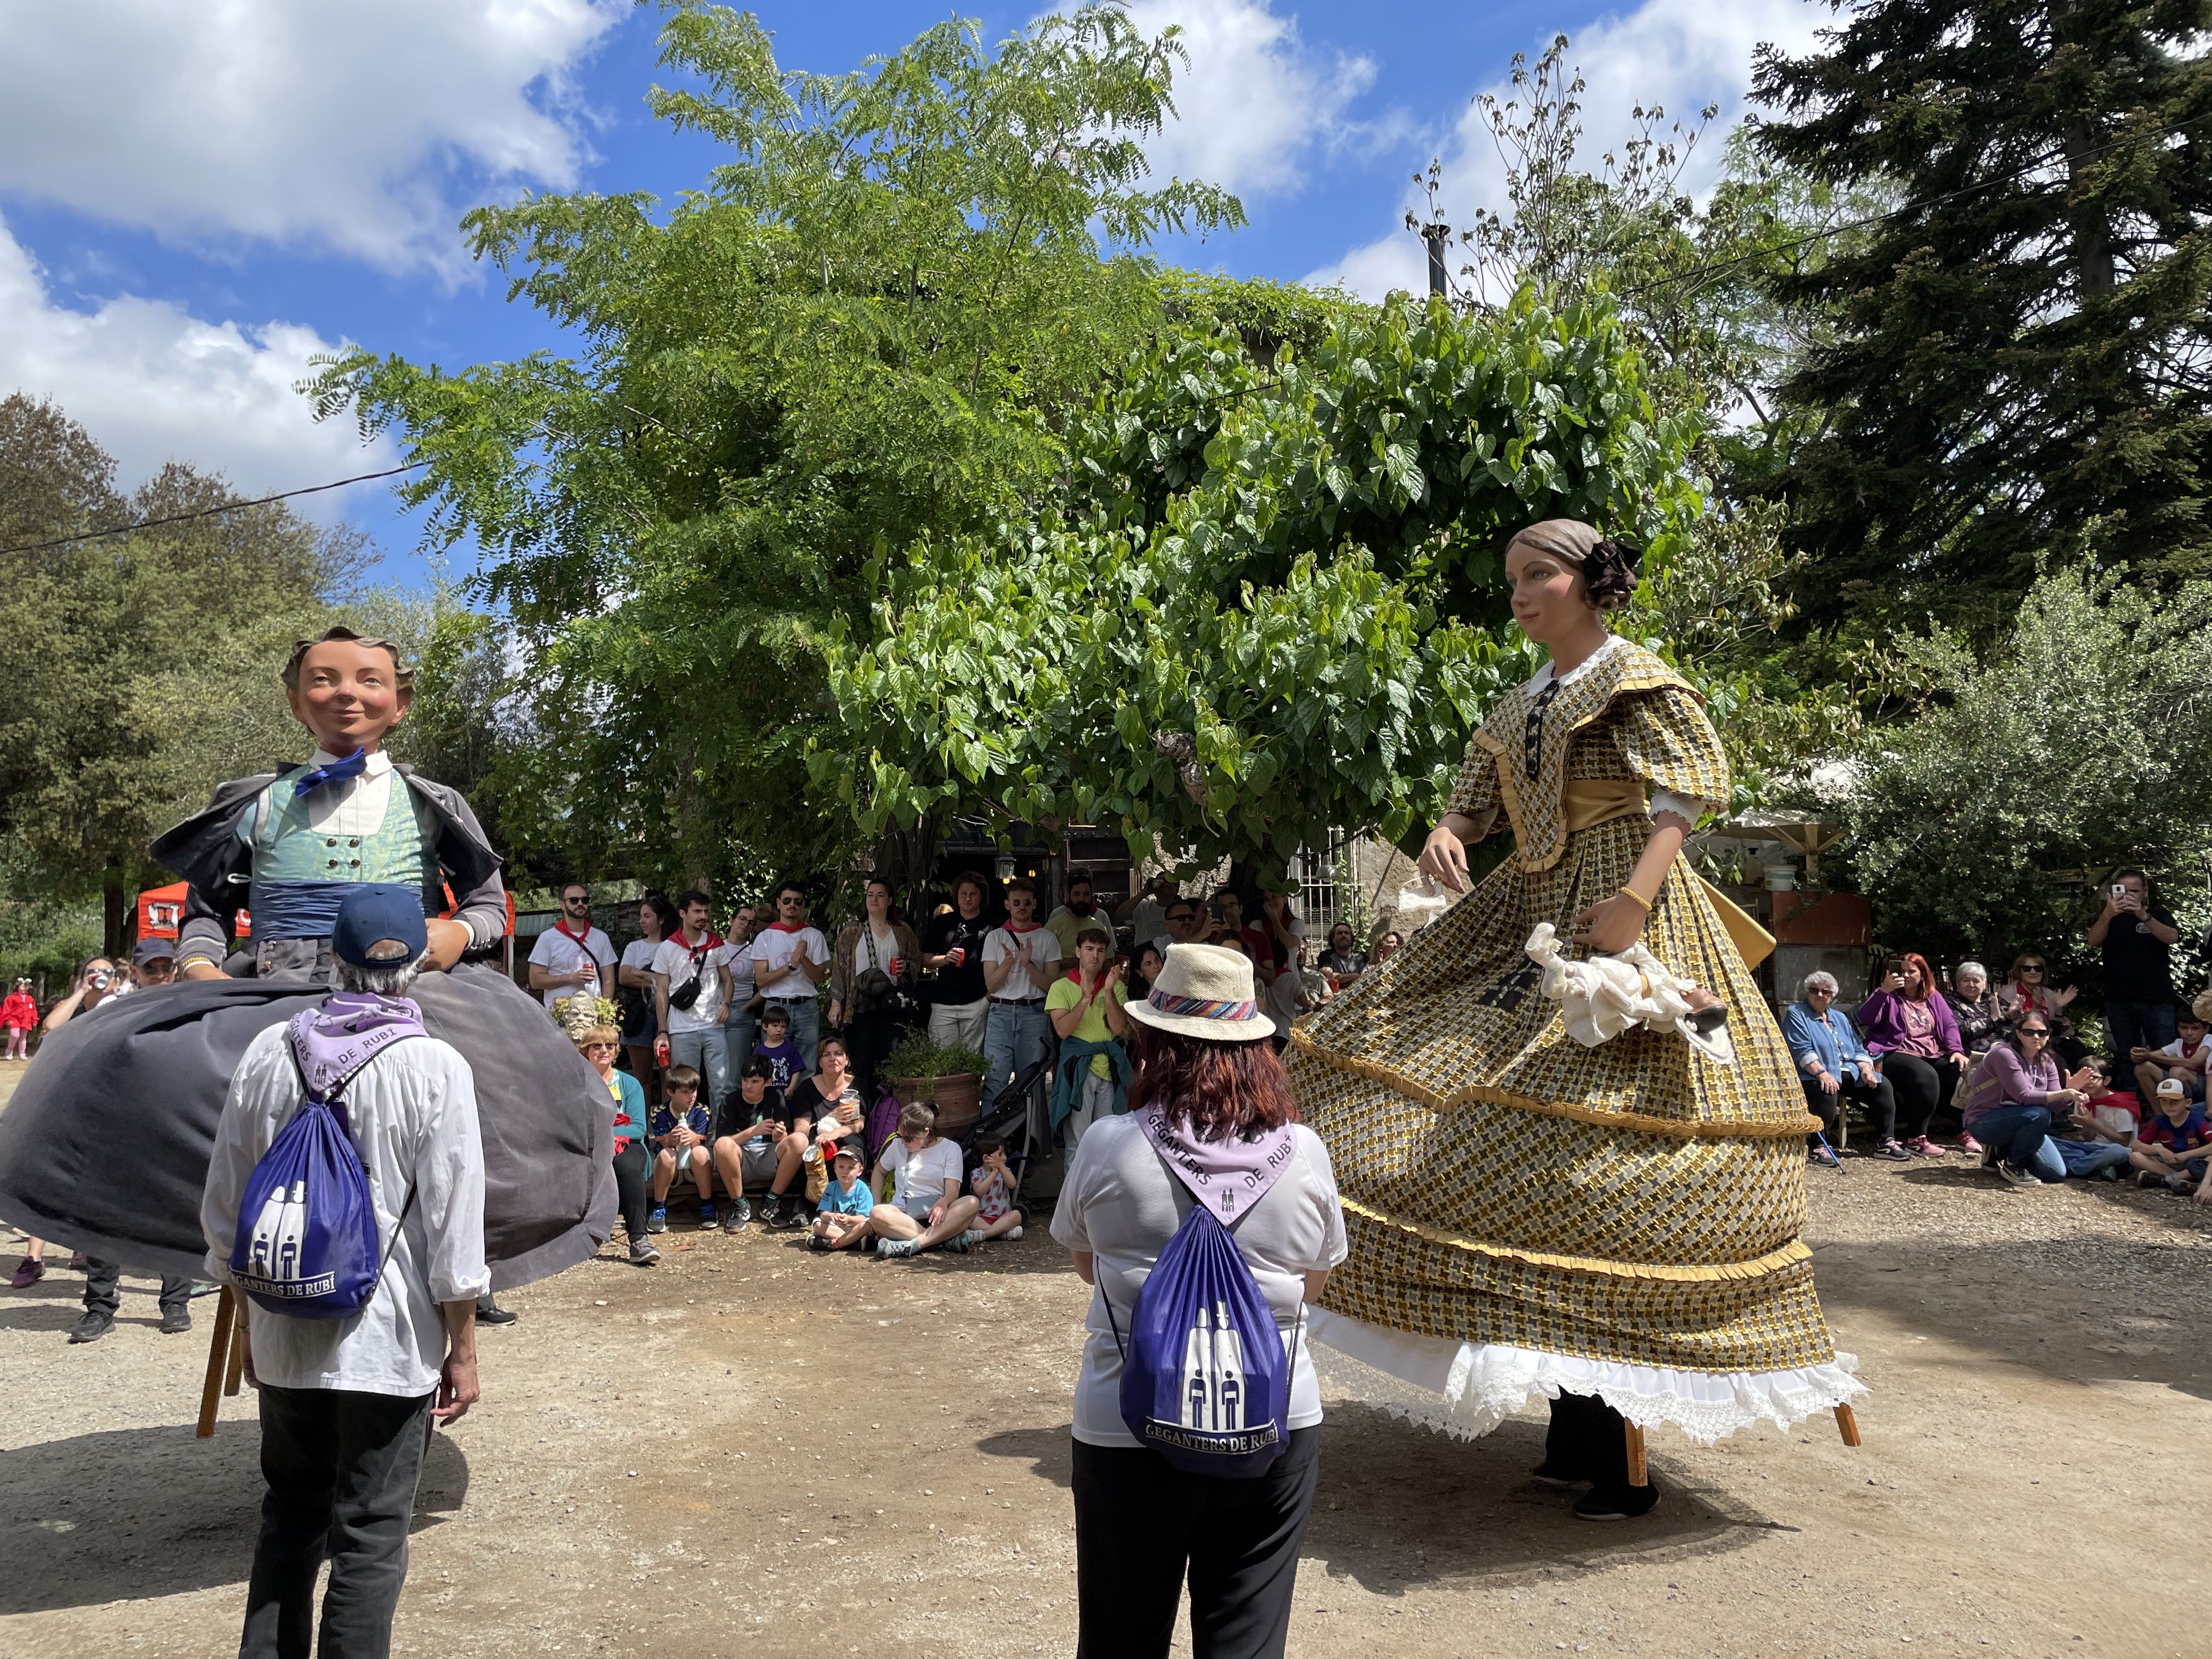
[2022, 364]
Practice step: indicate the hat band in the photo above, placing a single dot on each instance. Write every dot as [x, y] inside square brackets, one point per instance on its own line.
[1200, 1007]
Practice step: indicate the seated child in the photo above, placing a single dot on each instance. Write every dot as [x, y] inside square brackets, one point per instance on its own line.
[2118, 1111]
[2171, 1147]
[787, 1061]
[840, 1216]
[753, 1126]
[2183, 1058]
[996, 1216]
[680, 1129]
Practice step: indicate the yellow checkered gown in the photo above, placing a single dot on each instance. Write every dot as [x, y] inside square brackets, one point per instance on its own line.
[1635, 1202]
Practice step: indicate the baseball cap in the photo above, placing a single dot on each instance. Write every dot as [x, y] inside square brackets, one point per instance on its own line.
[148, 950]
[375, 914]
[2170, 1086]
[848, 1149]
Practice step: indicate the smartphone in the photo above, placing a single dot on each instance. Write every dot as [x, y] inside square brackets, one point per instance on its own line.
[2119, 892]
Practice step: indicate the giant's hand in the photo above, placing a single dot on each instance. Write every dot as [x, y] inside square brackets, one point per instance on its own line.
[1611, 925]
[447, 940]
[1443, 859]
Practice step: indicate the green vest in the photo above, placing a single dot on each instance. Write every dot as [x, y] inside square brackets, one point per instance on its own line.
[296, 866]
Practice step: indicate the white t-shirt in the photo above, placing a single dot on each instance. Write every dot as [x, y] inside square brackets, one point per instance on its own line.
[741, 973]
[772, 970]
[1044, 961]
[557, 953]
[673, 959]
[921, 1177]
[1149, 920]
[1121, 1204]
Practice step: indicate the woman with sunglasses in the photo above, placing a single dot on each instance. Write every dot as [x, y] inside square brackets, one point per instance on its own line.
[2017, 1091]
[2027, 990]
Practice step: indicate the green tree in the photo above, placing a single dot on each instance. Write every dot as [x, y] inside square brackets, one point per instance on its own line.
[868, 328]
[1268, 605]
[1981, 824]
[2022, 359]
[131, 665]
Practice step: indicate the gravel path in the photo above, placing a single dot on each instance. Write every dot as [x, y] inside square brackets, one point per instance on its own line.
[751, 1449]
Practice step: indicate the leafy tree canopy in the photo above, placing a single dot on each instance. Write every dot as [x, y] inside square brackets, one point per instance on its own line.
[2022, 355]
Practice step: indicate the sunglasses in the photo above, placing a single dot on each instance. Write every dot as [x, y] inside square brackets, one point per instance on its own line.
[2031, 966]
[600, 1048]
[2034, 1030]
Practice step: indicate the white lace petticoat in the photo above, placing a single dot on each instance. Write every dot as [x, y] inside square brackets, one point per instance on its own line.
[1468, 1389]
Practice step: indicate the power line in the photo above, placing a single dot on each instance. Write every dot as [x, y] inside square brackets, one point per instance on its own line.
[210, 512]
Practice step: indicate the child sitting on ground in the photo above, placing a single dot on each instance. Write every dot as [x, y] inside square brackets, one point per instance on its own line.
[680, 1131]
[996, 1216]
[2171, 1147]
[787, 1061]
[2182, 1060]
[753, 1126]
[841, 1218]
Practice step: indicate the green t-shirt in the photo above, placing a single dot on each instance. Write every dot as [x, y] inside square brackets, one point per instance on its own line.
[1091, 1028]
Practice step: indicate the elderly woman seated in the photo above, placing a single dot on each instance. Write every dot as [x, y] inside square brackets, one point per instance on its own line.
[1833, 1066]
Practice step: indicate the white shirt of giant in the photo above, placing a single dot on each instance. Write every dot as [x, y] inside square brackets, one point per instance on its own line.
[413, 1113]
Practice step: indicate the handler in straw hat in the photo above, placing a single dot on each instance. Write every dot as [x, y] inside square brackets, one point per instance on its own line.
[1212, 1095]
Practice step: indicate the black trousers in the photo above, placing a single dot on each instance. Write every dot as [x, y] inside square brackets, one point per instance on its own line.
[103, 1288]
[1141, 1524]
[342, 1468]
[632, 1167]
[1923, 1088]
[1587, 1440]
[1880, 1101]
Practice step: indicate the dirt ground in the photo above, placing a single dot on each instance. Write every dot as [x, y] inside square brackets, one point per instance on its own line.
[751, 1449]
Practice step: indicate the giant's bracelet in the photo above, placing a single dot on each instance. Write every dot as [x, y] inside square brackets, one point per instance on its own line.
[1637, 899]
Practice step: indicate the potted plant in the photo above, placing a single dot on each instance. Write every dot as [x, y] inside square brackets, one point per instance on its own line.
[941, 1074]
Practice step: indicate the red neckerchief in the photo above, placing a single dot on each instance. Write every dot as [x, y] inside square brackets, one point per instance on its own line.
[582, 938]
[1076, 974]
[1016, 927]
[713, 941]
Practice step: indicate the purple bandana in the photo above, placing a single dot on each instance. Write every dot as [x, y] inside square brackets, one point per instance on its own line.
[338, 1038]
[1228, 1176]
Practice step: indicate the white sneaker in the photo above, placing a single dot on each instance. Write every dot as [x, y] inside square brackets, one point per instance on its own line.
[1012, 1232]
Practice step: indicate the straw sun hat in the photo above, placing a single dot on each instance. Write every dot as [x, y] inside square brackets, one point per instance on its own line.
[1204, 991]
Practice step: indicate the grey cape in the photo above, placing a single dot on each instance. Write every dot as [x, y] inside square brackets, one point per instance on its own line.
[105, 1147]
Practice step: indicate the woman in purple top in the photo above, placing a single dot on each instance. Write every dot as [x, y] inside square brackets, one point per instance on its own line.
[2016, 1090]
[1911, 1030]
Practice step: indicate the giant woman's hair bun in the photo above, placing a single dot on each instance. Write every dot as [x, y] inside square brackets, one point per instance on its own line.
[1609, 573]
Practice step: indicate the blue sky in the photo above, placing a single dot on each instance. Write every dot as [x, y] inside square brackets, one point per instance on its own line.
[194, 200]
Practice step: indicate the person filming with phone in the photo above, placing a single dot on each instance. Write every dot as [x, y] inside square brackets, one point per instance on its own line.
[2137, 938]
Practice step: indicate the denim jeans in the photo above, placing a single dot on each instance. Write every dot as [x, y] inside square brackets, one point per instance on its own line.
[341, 1469]
[1012, 1040]
[705, 1051]
[805, 1022]
[2019, 1133]
[2136, 1025]
[2056, 1159]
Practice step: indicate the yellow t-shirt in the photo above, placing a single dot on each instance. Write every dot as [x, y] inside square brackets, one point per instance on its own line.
[1091, 1028]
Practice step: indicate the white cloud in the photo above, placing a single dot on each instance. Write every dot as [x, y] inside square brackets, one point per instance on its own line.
[344, 127]
[1256, 100]
[152, 383]
[1682, 54]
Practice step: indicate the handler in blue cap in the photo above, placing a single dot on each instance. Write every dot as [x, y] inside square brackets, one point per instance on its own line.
[346, 1404]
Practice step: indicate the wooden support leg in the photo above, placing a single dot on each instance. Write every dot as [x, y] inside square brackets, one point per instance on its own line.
[234, 1378]
[1637, 1475]
[226, 1313]
[1847, 1425]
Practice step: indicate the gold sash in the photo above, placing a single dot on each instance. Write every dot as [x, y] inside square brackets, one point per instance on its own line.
[1597, 801]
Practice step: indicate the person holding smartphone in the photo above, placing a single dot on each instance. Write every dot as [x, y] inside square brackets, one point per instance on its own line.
[2137, 936]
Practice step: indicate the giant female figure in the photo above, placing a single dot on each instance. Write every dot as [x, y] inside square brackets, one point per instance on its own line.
[1610, 1224]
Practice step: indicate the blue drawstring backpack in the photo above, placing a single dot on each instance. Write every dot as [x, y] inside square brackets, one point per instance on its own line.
[307, 1243]
[1205, 1377]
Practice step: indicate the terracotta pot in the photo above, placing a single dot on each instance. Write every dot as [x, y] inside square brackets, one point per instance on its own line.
[956, 1096]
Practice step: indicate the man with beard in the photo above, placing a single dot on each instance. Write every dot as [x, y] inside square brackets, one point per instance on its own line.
[1082, 911]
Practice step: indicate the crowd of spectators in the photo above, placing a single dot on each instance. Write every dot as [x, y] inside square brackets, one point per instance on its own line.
[730, 1082]
[2030, 1098]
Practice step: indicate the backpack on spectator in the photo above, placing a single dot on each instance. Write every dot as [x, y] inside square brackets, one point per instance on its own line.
[1206, 1379]
[307, 1243]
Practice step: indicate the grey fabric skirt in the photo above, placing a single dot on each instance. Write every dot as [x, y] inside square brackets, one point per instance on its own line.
[105, 1147]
